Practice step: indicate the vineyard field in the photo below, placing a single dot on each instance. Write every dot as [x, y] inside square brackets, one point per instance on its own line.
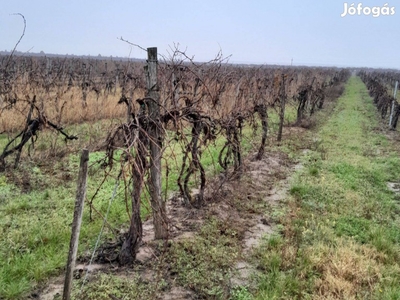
[206, 180]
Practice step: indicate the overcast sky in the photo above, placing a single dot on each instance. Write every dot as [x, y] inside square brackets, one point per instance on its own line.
[311, 32]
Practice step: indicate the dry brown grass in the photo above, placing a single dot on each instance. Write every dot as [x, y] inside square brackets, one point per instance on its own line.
[65, 108]
[347, 269]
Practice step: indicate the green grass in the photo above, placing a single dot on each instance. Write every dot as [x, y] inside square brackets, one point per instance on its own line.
[36, 210]
[35, 232]
[341, 225]
[37, 201]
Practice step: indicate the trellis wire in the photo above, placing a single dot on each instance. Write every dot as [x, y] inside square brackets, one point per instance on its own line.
[100, 233]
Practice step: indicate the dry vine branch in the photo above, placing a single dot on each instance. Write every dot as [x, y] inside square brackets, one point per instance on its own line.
[33, 125]
[16, 45]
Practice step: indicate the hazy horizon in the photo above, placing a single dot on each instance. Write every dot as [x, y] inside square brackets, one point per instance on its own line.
[310, 32]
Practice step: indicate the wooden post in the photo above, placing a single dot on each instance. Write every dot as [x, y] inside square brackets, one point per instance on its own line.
[76, 225]
[392, 109]
[84, 87]
[282, 98]
[155, 140]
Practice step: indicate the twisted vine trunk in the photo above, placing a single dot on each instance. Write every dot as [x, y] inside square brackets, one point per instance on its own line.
[262, 111]
[237, 155]
[194, 165]
[231, 151]
[302, 97]
[149, 137]
[396, 115]
[133, 240]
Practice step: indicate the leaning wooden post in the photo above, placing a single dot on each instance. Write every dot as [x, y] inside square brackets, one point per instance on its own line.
[155, 140]
[76, 225]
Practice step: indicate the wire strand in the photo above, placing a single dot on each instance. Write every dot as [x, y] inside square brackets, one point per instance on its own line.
[100, 234]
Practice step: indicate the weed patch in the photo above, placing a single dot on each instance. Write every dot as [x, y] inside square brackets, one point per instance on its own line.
[204, 264]
[107, 286]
